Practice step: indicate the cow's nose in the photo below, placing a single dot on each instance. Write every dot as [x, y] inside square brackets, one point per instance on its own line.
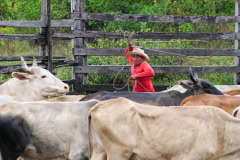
[66, 87]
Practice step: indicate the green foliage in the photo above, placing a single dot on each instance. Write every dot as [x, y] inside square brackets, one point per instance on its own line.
[30, 10]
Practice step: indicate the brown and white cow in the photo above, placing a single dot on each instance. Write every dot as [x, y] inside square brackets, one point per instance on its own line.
[227, 103]
[44, 131]
[36, 84]
[121, 129]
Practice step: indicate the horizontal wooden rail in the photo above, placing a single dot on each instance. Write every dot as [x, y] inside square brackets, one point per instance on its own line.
[7, 69]
[62, 23]
[122, 17]
[55, 23]
[147, 35]
[156, 18]
[157, 69]
[156, 52]
[30, 58]
[161, 35]
[22, 24]
[108, 87]
[21, 36]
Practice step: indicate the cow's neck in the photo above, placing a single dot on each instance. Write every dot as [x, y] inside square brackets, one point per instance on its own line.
[188, 93]
[231, 139]
[19, 91]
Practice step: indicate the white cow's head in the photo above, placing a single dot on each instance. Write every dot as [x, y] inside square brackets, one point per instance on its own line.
[36, 84]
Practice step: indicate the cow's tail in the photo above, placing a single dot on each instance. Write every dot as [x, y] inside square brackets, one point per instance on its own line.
[90, 137]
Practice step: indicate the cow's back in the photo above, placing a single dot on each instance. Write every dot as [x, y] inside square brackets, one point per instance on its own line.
[157, 99]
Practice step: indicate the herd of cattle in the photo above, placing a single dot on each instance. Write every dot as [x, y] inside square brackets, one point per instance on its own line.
[201, 123]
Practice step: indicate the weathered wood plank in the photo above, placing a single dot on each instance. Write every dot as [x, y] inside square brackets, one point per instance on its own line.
[49, 37]
[20, 36]
[66, 63]
[10, 69]
[79, 42]
[157, 52]
[66, 36]
[93, 34]
[70, 81]
[157, 69]
[55, 23]
[158, 35]
[156, 18]
[109, 87]
[30, 58]
[63, 23]
[22, 24]
[236, 44]
[43, 30]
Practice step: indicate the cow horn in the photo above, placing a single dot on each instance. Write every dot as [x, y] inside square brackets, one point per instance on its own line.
[191, 76]
[34, 62]
[25, 67]
[195, 76]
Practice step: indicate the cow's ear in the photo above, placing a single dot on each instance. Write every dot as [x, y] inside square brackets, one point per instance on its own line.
[20, 76]
[186, 84]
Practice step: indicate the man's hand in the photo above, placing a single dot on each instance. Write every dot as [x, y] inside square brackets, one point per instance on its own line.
[133, 77]
[130, 44]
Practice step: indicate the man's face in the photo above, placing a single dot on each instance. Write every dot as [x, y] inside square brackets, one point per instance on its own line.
[137, 60]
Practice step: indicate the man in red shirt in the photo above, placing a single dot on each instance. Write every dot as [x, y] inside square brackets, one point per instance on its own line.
[141, 71]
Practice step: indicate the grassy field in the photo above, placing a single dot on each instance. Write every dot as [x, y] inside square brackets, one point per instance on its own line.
[63, 48]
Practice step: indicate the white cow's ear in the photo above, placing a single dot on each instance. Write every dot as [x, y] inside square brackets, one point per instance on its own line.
[21, 76]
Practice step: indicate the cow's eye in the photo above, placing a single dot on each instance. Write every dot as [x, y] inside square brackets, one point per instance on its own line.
[44, 76]
[205, 85]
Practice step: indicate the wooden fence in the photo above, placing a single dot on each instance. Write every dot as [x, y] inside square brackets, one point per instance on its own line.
[80, 67]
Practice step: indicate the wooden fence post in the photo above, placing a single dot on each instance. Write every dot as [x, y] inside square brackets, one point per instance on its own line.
[77, 9]
[43, 30]
[236, 44]
[49, 37]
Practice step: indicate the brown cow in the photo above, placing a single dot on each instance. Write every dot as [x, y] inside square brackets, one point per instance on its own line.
[227, 103]
[233, 92]
[120, 129]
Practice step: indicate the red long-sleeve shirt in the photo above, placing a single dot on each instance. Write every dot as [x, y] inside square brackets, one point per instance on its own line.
[143, 74]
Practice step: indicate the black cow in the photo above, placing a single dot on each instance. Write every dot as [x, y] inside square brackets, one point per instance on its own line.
[195, 86]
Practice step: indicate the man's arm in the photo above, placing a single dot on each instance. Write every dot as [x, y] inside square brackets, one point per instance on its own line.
[148, 71]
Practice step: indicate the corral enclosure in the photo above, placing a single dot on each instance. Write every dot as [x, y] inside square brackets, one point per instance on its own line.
[79, 35]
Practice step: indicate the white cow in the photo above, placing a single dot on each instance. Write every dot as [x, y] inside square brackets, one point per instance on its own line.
[44, 131]
[5, 99]
[36, 84]
[120, 129]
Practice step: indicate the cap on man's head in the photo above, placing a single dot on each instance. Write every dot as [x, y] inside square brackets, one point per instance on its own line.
[139, 52]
